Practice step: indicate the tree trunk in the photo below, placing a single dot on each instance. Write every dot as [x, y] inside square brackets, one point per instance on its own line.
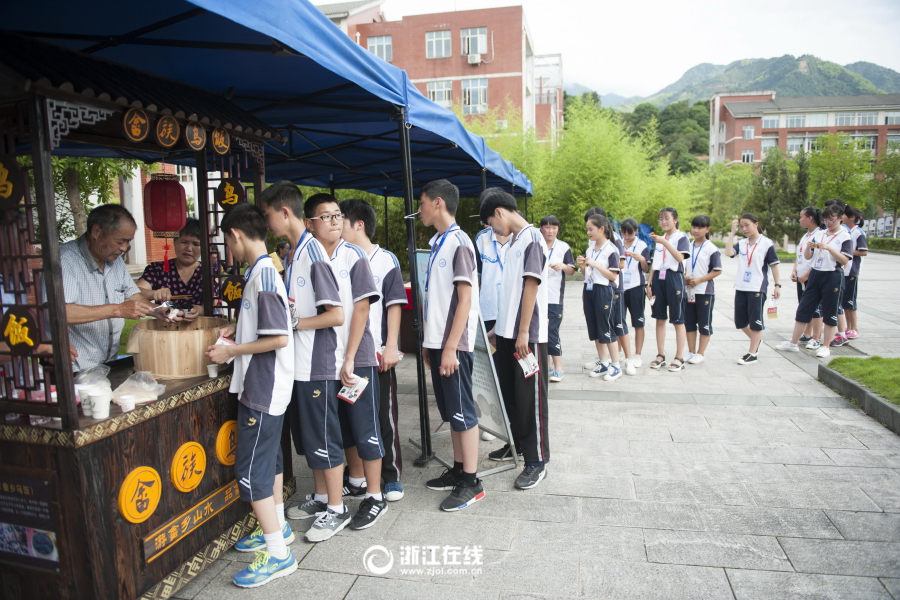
[76, 204]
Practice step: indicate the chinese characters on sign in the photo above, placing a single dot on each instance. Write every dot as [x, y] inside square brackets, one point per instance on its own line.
[136, 124]
[139, 494]
[233, 291]
[195, 135]
[188, 466]
[430, 556]
[167, 131]
[18, 327]
[229, 193]
[221, 141]
[12, 182]
[27, 531]
[226, 443]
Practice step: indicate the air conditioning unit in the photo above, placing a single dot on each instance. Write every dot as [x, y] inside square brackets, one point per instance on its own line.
[474, 59]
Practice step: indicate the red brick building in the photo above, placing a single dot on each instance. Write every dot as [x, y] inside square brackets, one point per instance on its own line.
[743, 125]
[478, 58]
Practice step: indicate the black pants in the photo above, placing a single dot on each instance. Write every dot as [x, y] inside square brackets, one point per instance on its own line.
[392, 463]
[525, 400]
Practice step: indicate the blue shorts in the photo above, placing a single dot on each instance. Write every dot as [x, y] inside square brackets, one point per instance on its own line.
[822, 287]
[454, 396]
[635, 301]
[555, 312]
[800, 288]
[318, 424]
[848, 299]
[599, 312]
[669, 295]
[748, 310]
[619, 314]
[258, 458]
[698, 314]
[359, 421]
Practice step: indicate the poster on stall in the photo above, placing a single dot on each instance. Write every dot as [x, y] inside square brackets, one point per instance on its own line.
[27, 532]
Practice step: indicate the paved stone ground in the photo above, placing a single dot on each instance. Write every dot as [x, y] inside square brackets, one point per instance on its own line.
[721, 481]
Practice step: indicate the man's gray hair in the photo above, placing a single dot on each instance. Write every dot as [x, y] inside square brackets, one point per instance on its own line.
[109, 217]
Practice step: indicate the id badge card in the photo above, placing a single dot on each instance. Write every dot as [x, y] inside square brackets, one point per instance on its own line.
[747, 276]
[590, 284]
[662, 274]
[293, 307]
[627, 277]
[819, 261]
[691, 296]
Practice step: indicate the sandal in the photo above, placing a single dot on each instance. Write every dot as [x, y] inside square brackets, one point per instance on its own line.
[658, 364]
[673, 368]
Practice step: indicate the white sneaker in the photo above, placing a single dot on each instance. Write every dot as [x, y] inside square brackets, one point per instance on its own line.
[612, 374]
[823, 352]
[629, 367]
[488, 437]
[813, 345]
[637, 362]
[688, 356]
[592, 364]
[787, 346]
[696, 359]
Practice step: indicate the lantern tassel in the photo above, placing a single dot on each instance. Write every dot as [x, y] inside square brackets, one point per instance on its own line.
[166, 256]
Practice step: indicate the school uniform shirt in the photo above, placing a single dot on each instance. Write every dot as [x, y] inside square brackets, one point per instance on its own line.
[452, 261]
[355, 282]
[489, 256]
[663, 259]
[804, 266]
[703, 261]
[264, 381]
[389, 283]
[608, 256]
[560, 252]
[859, 242]
[312, 286]
[822, 260]
[752, 275]
[526, 257]
[633, 274]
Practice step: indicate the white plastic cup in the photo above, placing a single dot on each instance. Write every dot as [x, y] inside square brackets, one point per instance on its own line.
[126, 403]
[100, 400]
[213, 370]
[84, 392]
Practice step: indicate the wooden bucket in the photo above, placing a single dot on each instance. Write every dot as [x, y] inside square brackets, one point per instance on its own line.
[173, 350]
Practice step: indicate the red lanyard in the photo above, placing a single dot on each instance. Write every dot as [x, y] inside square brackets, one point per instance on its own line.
[664, 251]
[750, 254]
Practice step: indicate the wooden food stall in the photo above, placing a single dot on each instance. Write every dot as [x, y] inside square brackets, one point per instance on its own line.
[134, 505]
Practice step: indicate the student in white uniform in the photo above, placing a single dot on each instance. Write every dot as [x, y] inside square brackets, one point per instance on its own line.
[672, 249]
[561, 263]
[840, 337]
[852, 218]
[490, 251]
[637, 262]
[756, 257]
[829, 251]
[704, 265]
[811, 219]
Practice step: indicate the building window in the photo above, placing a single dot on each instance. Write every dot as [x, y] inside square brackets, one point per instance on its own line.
[185, 174]
[844, 119]
[474, 96]
[866, 118]
[748, 132]
[866, 142]
[722, 127]
[892, 118]
[437, 44]
[768, 143]
[747, 156]
[770, 122]
[381, 46]
[893, 143]
[817, 120]
[795, 144]
[440, 93]
[474, 40]
[721, 149]
[795, 121]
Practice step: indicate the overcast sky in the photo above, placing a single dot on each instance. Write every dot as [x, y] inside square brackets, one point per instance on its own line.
[638, 47]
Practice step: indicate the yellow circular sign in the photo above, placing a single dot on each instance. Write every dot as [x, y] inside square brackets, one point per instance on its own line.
[188, 466]
[226, 443]
[139, 494]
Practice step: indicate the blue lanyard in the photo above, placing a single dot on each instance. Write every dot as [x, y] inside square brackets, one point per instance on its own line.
[294, 258]
[497, 252]
[630, 258]
[435, 250]
[552, 248]
[695, 256]
[250, 270]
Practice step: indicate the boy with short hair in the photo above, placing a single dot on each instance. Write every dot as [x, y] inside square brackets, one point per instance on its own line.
[316, 310]
[263, 366]
[521, 328]
[490, 251]
[560, 263]
[384, 323]
[451, 316]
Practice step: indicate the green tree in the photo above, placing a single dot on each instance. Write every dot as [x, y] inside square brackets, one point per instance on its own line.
[839, 168]
[721, 192]
[887, 181]
[776, 197]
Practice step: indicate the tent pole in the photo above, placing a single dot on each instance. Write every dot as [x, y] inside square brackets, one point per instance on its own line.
[385, 220]
[483, 179]
[331, 185]
[406, 162]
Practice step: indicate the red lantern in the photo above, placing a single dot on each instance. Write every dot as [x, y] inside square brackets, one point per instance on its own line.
[165, 209]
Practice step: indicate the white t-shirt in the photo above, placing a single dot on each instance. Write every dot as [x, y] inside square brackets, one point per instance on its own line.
[633, 274]
[312, 286]
[489, 255]
[752, 274]
[804, 266]
[822, 260]
[560, 252]
[663, 259]
[703, 260]
[452, 261]
[526, 257]
[264, 381]
[389, 283]
[608, 256]
[860, 242]
[355, 282]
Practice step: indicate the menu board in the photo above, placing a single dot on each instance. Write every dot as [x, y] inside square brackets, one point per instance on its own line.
[27, 530]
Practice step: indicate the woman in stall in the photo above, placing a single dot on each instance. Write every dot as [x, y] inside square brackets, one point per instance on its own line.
[184, 277]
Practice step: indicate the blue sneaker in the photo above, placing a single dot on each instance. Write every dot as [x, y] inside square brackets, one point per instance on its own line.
[612, 374]
[805, 338]
[264, 569]
[255, 541]
[393, 491]
[556, 375]
[600, 371]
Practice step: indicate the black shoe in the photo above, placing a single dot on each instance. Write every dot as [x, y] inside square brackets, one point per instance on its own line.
[369, 512]
[748, 359]
[447, 481]
[352, 491]
[531, 476]
[462, 496]
[502, 454]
